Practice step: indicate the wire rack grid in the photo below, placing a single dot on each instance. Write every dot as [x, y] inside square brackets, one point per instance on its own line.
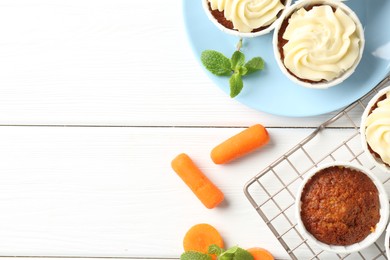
[272, 191]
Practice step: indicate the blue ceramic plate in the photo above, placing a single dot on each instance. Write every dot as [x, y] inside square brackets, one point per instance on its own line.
[271, 91]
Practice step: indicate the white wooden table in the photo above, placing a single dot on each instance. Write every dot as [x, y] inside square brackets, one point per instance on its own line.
[96, 98]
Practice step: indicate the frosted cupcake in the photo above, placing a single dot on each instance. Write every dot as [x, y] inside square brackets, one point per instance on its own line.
[375, 129]
[319, 43]
[245, 18]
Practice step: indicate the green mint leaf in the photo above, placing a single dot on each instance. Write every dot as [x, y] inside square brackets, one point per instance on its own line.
[214, 249]
[236, 253]
[192, 255]
[237, 60]
[228, 254]
[236, 84]
[216, 63]
[242, 254]
[254, 64]
[242, 71]
[231, 250]
[226, 257]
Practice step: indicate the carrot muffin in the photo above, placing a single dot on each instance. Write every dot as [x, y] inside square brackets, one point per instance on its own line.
[340, 206]
[246, 15]
[319, 42]
[377, 129]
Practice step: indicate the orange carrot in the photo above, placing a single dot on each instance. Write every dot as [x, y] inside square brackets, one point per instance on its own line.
[260, 254]
[244, 142]
[200, 237]
[200, 185]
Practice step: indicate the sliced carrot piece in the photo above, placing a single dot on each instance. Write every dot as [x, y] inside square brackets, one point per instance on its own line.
[260, 254]
[200, 237]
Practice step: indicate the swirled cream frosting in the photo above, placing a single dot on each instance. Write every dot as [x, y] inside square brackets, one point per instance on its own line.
[322, 43]
[247, 15]
[378, 129]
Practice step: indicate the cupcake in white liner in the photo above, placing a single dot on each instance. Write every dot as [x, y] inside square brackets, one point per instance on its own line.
[375, 129]
[245, 18]
[318, 43]
[341, 207]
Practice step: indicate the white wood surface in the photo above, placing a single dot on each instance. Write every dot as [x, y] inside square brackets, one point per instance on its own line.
[122, 76]
[80, 191]
[117, 62]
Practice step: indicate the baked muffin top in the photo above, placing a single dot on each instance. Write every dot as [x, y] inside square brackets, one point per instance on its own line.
[340, 206]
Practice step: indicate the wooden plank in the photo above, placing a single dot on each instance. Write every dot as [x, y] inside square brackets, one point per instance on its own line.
[110, 191]
[100, 62]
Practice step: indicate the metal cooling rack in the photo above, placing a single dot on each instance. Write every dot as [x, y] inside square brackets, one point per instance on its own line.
[272, 191]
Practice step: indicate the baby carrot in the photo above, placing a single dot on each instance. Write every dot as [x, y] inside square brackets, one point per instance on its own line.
[244, 142]
[199, 237]
[200, 185]
[260, 254]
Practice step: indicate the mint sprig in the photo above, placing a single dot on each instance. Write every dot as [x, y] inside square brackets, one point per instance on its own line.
[235, 67]
[236, 253]
[233, 253]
